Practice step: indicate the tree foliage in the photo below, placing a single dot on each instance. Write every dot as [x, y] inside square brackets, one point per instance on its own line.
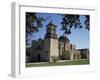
[69, 21]
[33, 24]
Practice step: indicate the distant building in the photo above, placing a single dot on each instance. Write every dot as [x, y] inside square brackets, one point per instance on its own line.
[84, 53]
[52, 47]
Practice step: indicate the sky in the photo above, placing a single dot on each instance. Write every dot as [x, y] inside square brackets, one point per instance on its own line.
[78, 37]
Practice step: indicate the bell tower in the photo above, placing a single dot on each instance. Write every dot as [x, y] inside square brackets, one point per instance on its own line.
[51, 31]
[51, 41]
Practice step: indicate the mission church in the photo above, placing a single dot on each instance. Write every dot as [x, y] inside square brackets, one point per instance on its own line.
[53, 48]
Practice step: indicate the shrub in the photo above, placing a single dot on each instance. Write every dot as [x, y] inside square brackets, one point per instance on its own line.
[66, 55]
[54, 58]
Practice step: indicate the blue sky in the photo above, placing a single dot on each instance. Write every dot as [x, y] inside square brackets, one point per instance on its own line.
[78, 37]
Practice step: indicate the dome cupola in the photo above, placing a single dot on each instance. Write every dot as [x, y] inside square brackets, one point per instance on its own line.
[63, 38]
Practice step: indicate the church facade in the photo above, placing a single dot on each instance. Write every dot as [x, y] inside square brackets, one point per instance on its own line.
[52, 48]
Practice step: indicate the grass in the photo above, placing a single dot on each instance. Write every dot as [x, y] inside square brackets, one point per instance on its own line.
[74, 62]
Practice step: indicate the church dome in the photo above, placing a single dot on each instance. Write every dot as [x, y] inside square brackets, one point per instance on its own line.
[63, 39]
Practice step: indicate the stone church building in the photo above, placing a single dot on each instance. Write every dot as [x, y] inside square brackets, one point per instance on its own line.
[53, 48]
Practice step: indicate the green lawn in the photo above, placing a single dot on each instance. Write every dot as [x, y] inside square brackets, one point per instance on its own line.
[75, 62]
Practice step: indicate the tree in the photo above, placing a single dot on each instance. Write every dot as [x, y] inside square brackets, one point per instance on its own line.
[70, 20]
[33, 24]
